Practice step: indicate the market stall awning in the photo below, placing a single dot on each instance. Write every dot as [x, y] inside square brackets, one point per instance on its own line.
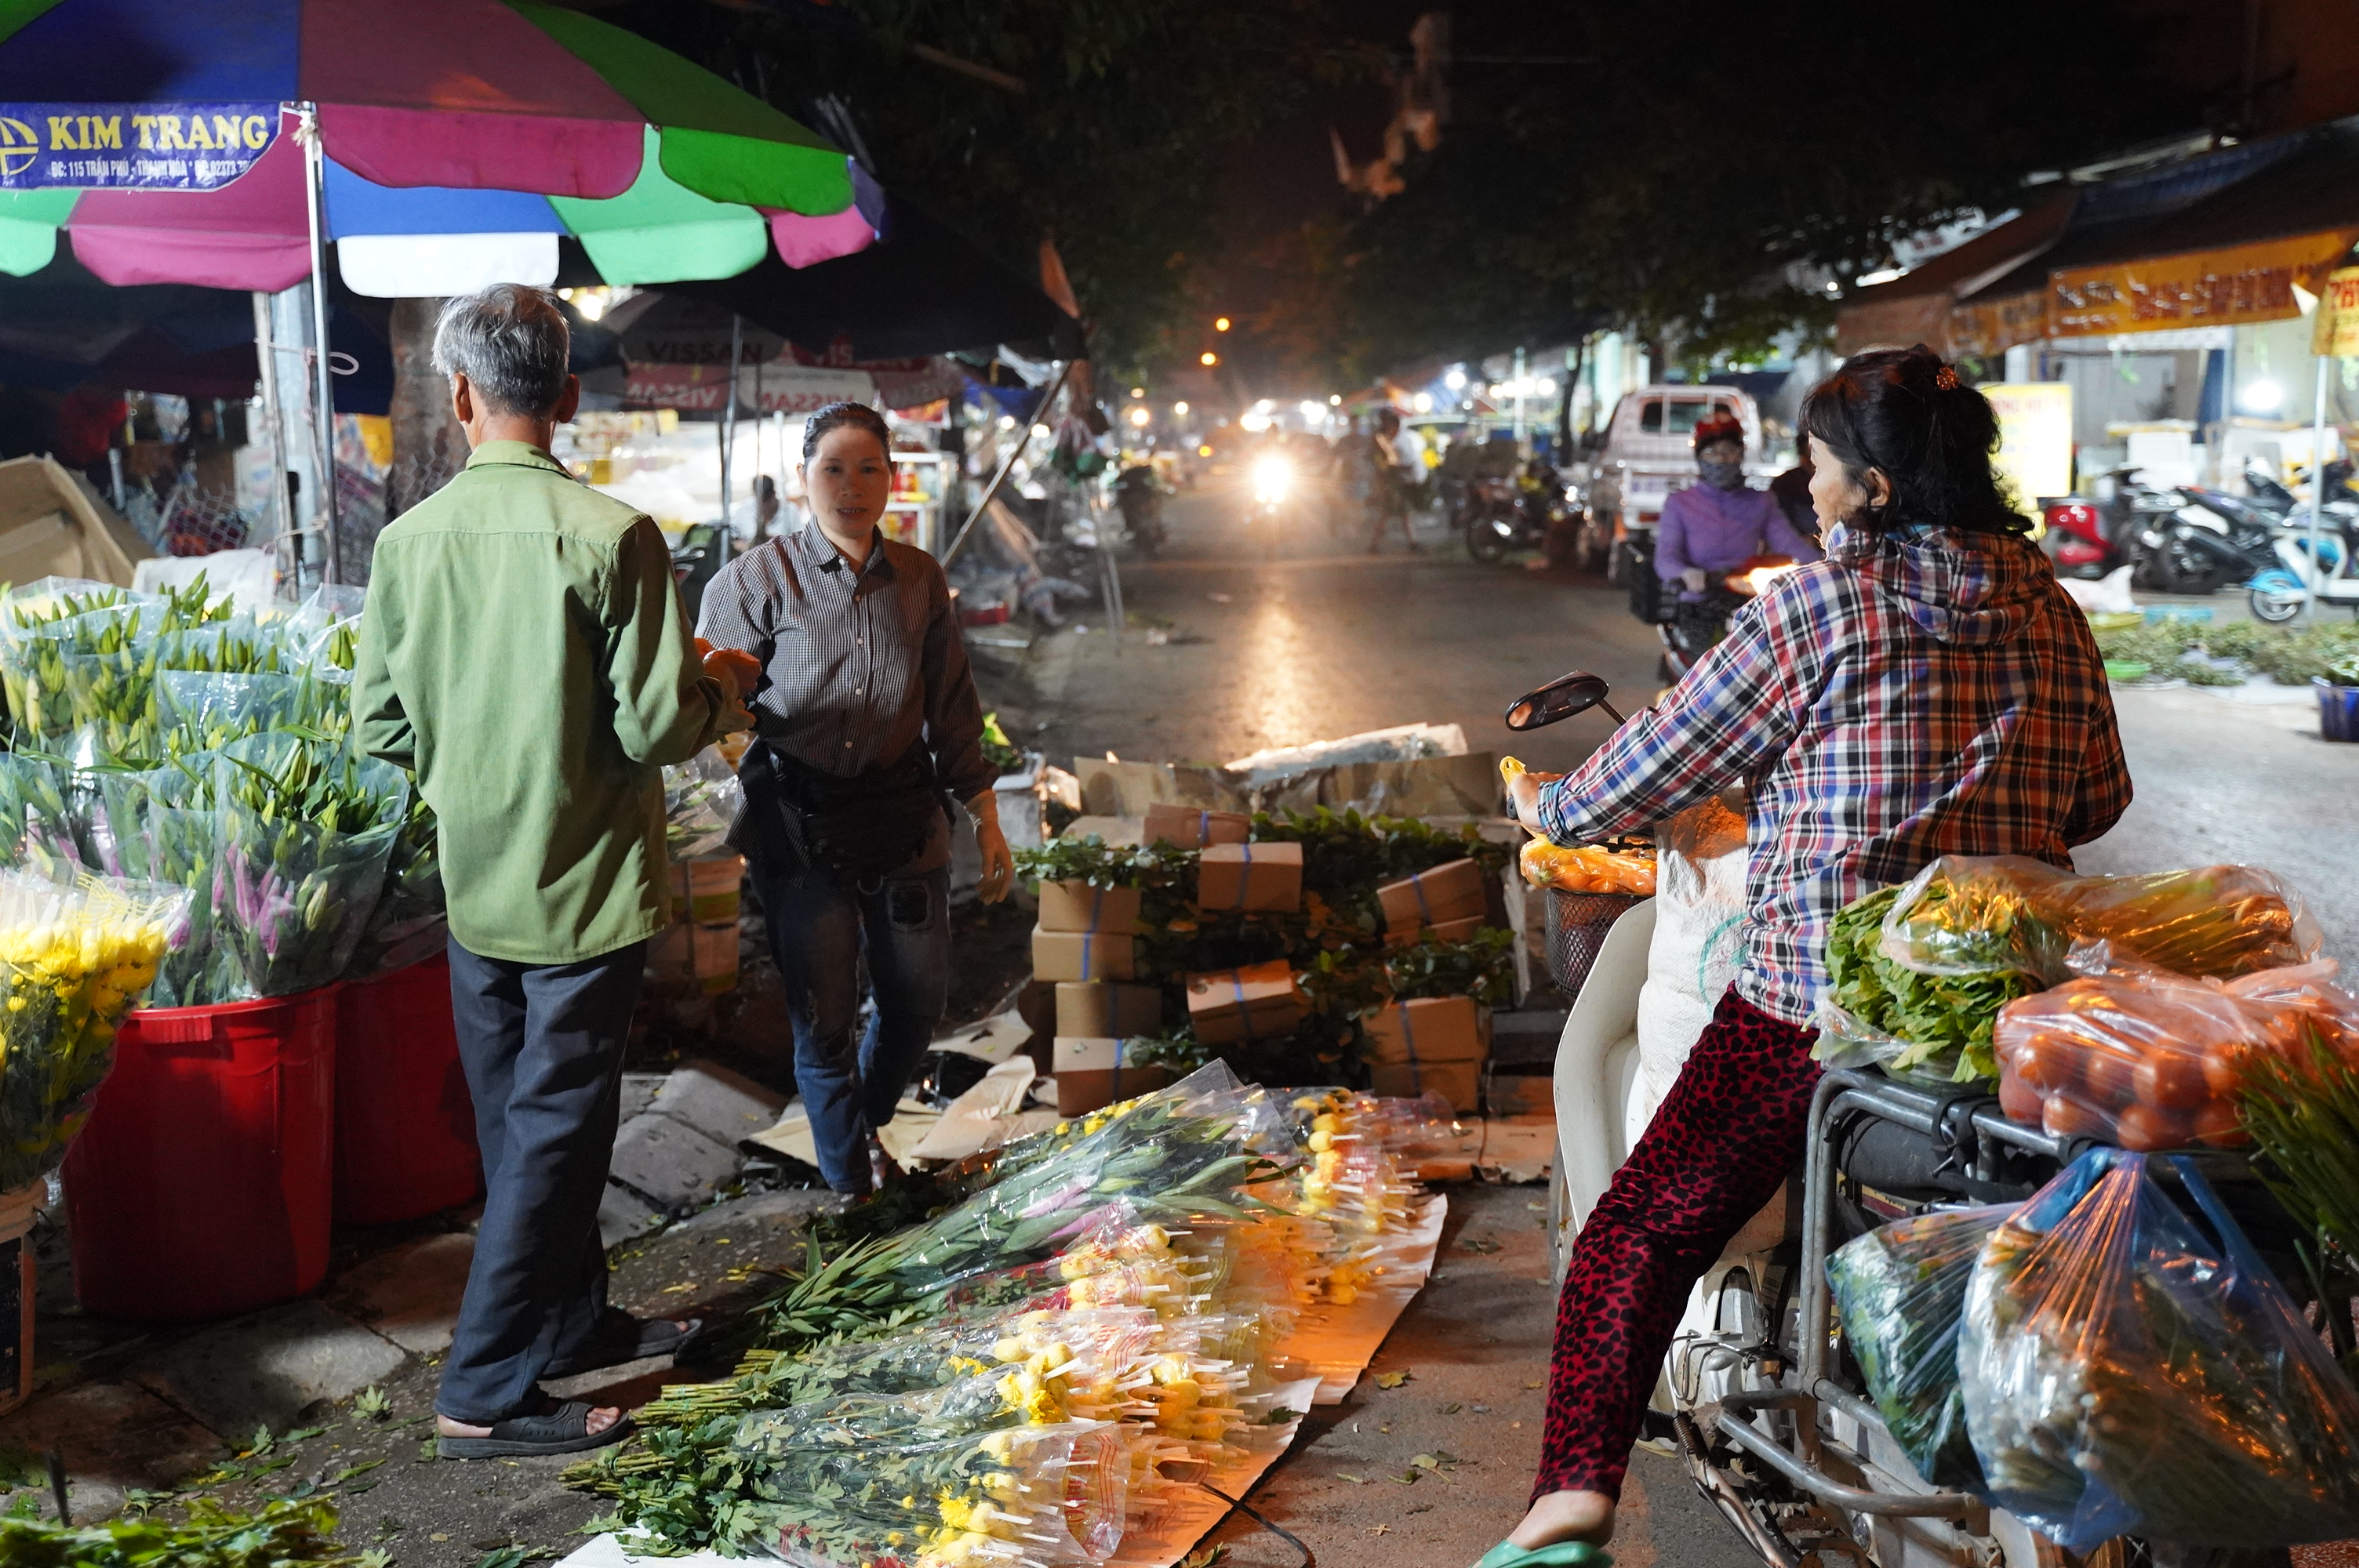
[2109, 222]
[1916, 309]
[924, 289]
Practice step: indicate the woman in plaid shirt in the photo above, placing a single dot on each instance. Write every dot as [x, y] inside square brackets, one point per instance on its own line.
[1926, 690]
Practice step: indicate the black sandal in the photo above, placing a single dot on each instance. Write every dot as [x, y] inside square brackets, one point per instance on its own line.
[623, 1338]
[552, 1429]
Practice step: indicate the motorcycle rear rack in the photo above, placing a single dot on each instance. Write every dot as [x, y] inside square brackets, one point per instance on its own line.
[1801, 1464]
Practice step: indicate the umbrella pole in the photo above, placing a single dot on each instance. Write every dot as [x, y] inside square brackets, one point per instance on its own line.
[324, 391]
[282, 515]
[2317, 494]
[729, 433]
[991, 491]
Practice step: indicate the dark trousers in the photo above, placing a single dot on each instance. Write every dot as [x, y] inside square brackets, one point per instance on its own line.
[820, 929]
[542, 1044]
[1727, 1135]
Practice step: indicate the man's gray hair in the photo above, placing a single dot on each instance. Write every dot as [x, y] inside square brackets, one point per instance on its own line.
[511, 341]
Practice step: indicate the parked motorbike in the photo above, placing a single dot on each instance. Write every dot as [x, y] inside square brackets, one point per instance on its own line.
[1140, 496]
[1766, 1409]
[1499, 516]
[2279, 590]
[2175, 540]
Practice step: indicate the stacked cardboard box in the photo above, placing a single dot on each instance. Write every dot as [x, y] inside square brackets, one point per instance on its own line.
[1190, 828]
[1085, 933]
[1094, 1073]
[1259, 1002]
[1250, 876]
[1448, 903]
[1430, 1044]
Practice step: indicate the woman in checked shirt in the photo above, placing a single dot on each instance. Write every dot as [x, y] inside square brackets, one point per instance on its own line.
[1926, 690]
[867, 724]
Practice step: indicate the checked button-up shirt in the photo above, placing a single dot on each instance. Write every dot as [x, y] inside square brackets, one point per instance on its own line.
[1925, 694]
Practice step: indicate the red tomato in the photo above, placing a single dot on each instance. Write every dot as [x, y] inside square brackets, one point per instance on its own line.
[2144, 1127]
[2172, 1080]
[2109, 1076]
[2064, 1117]
[2218, 1124]
[2018, 1100]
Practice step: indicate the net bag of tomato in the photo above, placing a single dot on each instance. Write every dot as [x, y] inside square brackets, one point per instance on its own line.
[2128, 1371]
[2154, 1061]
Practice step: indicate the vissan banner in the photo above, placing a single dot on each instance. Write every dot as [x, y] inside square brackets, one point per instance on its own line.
[132, 146]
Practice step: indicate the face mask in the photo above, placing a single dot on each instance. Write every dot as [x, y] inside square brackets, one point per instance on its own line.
[1721, 475]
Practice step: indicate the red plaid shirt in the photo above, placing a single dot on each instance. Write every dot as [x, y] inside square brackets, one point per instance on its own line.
[1932, 694]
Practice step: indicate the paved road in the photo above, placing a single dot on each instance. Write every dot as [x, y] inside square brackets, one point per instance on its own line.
[1324, 640]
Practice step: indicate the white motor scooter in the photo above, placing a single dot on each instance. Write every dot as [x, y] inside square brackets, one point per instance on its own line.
[2278, 592]
[1758, 1395]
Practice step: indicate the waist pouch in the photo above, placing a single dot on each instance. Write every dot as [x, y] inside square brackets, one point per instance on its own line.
[853, 830]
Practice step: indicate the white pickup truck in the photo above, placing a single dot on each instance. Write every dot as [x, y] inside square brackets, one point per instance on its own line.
[1648, 454]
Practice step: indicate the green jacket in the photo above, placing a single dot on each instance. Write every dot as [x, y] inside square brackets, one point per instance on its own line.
[525, 650]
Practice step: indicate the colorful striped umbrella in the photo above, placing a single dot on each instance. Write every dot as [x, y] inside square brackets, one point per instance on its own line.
[456, 140]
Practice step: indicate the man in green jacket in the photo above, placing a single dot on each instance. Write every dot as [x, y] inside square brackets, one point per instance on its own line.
[525, 650]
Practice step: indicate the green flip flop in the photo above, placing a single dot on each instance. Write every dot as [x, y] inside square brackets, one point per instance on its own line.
[1560, 1554]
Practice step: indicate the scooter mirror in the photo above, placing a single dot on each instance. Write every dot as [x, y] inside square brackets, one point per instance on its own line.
[1560, 700]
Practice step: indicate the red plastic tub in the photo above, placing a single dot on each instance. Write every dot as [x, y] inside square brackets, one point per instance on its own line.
[405, 1124]
[199, 1186]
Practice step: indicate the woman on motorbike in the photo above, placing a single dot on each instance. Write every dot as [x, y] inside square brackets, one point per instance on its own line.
[1926, 690]
[1711, 528]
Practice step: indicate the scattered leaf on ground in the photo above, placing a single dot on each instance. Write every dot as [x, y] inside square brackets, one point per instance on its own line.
[1394, 1379]
[1453, 1408]
[1279, 1415]
[1541, 1384]
[1479, 1410]
[1479, 1244]
[1347, 1475]
[372, 1404]
[1204, 1556]
[1380, 1529]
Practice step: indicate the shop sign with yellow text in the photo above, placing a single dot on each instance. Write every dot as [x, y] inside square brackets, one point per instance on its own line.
[2239, 285]
[2336, 331]
[132, 146]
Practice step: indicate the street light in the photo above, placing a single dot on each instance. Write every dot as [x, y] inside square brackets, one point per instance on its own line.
[1139, 417]
[1039, 431]
[1312, 411]
[1208, 359]
[1220, 323]
[1424, 402]
[1179, 407]
[1138, 392]
[1456, 380]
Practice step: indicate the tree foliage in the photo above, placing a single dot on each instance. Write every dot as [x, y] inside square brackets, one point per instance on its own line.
[1112, 146]
[1696, 174]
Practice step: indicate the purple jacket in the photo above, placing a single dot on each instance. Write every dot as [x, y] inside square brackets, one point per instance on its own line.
[1719, 530]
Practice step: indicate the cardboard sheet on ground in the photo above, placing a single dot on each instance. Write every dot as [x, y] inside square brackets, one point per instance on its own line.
[1186, 1521]
[990, 1114]
[1337, 1342]
[792, 1134]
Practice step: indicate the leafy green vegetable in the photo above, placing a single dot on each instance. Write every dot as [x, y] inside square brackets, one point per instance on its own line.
[1942, 1023]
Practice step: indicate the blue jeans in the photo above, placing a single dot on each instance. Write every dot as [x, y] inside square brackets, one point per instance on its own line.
[543, 1045]
[820, 930]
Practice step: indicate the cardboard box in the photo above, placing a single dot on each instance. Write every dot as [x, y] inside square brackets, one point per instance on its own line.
[1427, 1029]
[1256, 1002]
[1083, 955]
[1456, 931]
[1092, 1074]
[1191, 828]
[1449, 893]
[1250, 876]
[1103, 1010]
[1078, 906]
[1111, 829]
[1460, 1083]
[1520, 1094]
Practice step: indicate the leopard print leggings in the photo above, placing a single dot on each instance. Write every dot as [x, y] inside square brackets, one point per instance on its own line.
[1726, 1136]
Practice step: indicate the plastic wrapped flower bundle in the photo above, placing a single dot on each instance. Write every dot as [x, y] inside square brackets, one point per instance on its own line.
[304, 833]
[1195, 1152]
[75, 956]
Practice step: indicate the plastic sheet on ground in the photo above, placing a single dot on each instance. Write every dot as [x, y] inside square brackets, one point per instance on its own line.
[1182, 1523]
[1336, 1343]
